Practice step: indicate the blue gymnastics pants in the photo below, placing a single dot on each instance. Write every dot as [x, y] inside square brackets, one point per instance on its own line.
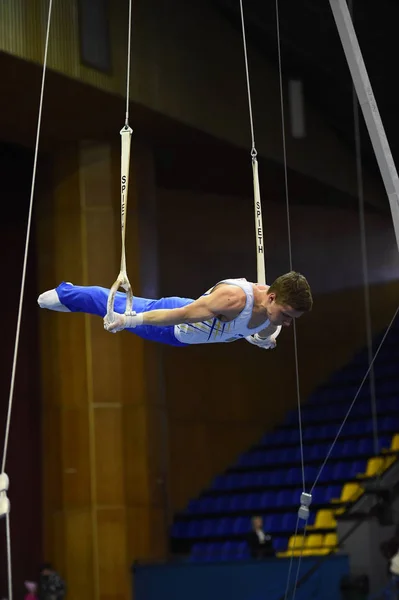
[92, 300]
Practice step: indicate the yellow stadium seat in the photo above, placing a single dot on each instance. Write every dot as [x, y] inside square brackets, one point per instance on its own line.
[330, 541]
[394, 444]
[375, 466]
[350, 493]
[324, 520]
[313, 544]
[295, 547]
[389, 460]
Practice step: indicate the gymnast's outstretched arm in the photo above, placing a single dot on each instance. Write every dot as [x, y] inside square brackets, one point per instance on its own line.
[225, 301]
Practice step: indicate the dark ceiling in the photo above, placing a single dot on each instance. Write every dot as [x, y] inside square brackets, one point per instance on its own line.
[312, 51]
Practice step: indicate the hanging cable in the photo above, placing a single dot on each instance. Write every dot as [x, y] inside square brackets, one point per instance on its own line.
[306, 498]
[251, 120]
[259, 238]
[4, 483]
[287, 203]
[129, 46]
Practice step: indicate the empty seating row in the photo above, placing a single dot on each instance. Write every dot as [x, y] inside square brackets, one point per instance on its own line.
[346, 391]
[257, 502]
[291, 476]
[310, 433]
[312, 452]
[356, 372]
[337, 412]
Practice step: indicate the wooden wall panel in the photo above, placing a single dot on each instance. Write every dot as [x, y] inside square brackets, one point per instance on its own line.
[113, 559]
[75, 461]
[108, 424]
[136, 460]
[78, 550]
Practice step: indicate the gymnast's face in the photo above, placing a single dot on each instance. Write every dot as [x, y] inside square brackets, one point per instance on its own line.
[280, 314]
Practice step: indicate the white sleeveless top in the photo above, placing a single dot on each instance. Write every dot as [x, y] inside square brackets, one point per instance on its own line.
[214, 330]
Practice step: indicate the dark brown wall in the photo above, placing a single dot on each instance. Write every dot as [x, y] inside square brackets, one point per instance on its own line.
[24, 456]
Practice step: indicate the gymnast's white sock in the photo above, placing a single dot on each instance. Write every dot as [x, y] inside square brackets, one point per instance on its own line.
[51, 301]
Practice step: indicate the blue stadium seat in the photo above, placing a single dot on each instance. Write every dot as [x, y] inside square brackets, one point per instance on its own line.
[286, 498]
[221, 504]
[243, 551]
[233, 480]
[326, 474]
[241, 525]
[288, 522]
[279, 544]
[247, 480]
[228, 551]
[292, 436]
[292, 475]
[220, 483]
[273, 522]
[365, 446]
[333, 491]
[214, 551]
[237, 502]
[193, 529]
[390, 423]
[222, 527]
[288, 455]
[317, 452]
[269, 523]
[274, 478]
[207, 528]
[348, 470]
[204, 505]
[328, 431]
[253, 502]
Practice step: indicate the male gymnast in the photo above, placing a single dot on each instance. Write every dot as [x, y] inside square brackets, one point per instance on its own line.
[233, 309]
